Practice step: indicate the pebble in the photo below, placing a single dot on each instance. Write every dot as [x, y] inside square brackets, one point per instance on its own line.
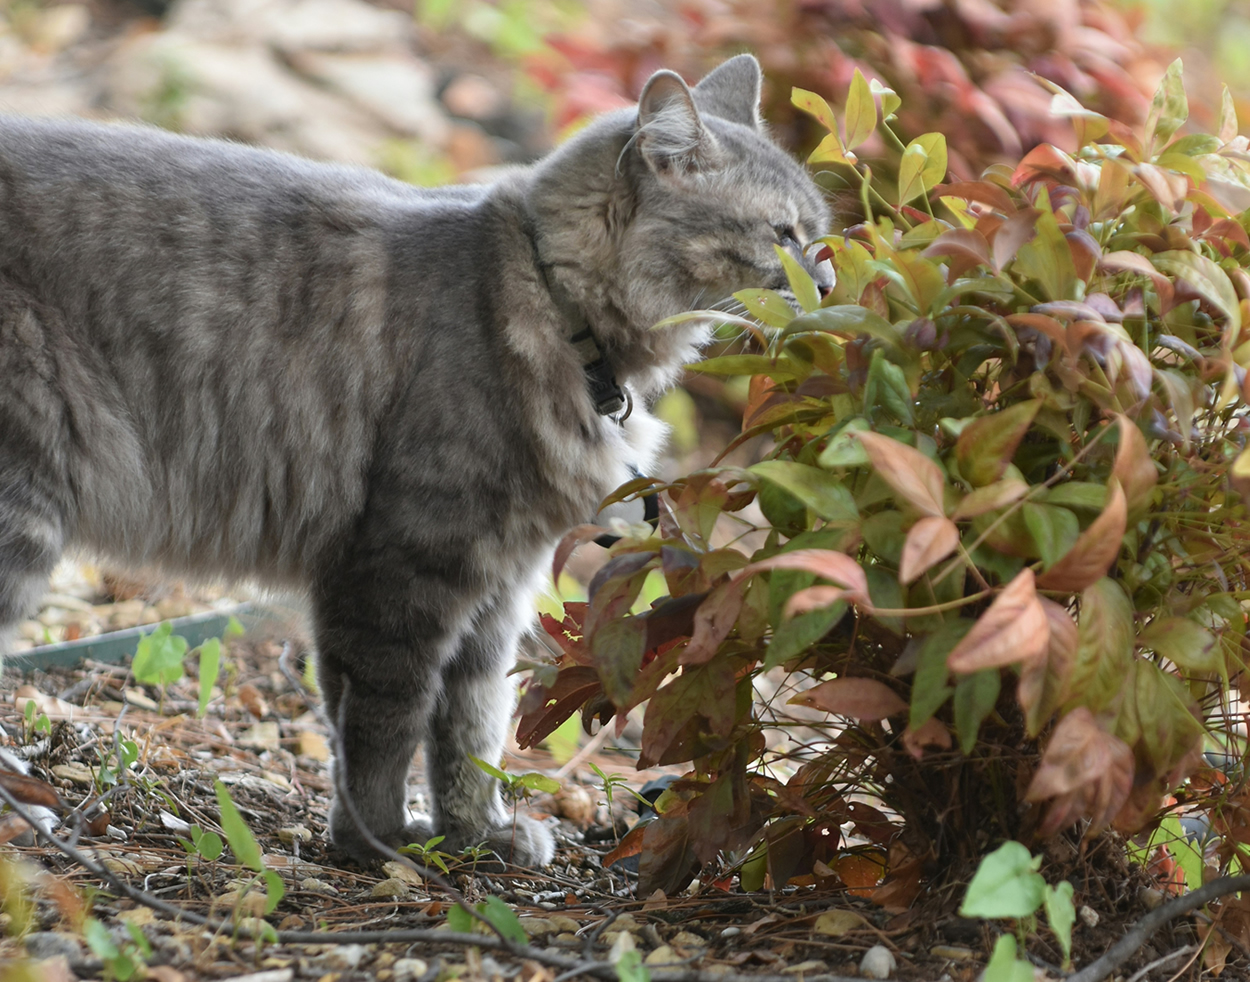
[731, 932]
[390, 888]
[804, 968]
[877, 963]
[663, 955]
[954, 952]
[315, 885]
[687, 939]
[1088, 916]
[408, 969]
[290, 835]
[50, 944]
[346, 957]
[537, 927]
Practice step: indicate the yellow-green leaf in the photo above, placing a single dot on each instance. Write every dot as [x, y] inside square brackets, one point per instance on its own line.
[800, 280]
[861, 111]
[1228, 127]
[816, 106]
[1170, 108]
[767, 306]
[889, 98]
[829, 151]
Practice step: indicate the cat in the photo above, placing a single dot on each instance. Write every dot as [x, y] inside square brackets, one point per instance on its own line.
[229, 362]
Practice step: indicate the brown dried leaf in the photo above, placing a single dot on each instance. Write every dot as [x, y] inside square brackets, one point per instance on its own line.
[572, 539]
[930, 734]
[1013, 629]
[1087, 771]
[929, 541]
[1095, 549]
[30, 790]
[631, 845]
[909, 472]
[1134, 468]
[859, 698]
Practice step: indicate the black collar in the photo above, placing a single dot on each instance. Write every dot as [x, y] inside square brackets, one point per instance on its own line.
[608, 397]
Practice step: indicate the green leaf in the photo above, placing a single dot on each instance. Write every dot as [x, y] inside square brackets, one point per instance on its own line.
[780, 369]
[158, 657]
[1061, 914]
[1185, 642]
[1105, 646]
[801, 632]
[889, 98]
[242, 842]
[629, 967]
[767, 306]
[136, 935]
[1170, 108]
[819, 490]
[1004, 966]
[274, 890]
[843, 450]
[922, 167]
[208, 845]
[1054, 530]
[1006, 884]
[861, 111]
[503, 919]
[846, 320]
[930, 689]
[829, 151]
[490, 769]
[751, 876]
[539, 782]
[1205, 276]
[986, 445]
[99, 940]
[799, 279]
[975, 696]
[234, 629]
[1077, 494]
[459, 919]
[1047, 258]
[210, 665]
[887, 388]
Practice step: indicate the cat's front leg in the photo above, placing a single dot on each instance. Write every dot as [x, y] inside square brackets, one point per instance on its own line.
[471, 719]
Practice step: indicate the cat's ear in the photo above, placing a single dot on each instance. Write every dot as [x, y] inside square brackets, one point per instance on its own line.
[670, 134]
[732, 91]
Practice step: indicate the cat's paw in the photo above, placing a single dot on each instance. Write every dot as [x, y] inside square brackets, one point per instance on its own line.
[522, 842]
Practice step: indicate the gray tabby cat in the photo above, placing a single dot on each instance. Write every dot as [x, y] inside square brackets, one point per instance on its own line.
[229, 362]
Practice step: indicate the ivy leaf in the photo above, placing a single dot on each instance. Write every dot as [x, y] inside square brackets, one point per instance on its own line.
[1006, 884]
[861, 111]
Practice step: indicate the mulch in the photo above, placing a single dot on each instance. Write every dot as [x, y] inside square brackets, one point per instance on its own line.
[261, 737]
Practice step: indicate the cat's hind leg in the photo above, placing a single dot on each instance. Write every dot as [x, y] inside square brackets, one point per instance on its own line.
[471, 719]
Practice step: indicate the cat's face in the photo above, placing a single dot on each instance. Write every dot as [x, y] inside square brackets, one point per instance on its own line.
[673, 207]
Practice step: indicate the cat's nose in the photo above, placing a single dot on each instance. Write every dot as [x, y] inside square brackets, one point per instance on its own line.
[822, 276]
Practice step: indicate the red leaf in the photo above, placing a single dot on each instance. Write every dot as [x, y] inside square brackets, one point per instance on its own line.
[1094, 550]
[915, 477]
[929, 541]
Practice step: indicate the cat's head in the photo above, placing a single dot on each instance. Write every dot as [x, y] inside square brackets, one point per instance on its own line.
[672, 207]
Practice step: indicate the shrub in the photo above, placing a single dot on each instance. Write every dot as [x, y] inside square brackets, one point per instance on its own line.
[995, 547]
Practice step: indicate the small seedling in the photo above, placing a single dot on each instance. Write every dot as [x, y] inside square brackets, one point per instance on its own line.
[1007, 885]
[35, 723]
[246, 850]
[496, 913]
[427, 853]
[206, 846]
[127, 755]
[121, 962]
[158, 658]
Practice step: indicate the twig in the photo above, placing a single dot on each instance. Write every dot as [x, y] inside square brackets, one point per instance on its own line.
[1160, 962]
[1124, 949]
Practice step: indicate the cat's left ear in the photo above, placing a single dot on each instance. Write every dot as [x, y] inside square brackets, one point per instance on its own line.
[670, 134]
[732, 91]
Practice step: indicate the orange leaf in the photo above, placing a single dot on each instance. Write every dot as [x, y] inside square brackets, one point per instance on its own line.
[859, 698]
[1043, 682]
[1094, 550]
[860, 872]
[929, 541]
[1013, 629]
[631, 845]
[909, 472]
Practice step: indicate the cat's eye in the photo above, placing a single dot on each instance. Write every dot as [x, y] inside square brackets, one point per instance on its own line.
[785, 233]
